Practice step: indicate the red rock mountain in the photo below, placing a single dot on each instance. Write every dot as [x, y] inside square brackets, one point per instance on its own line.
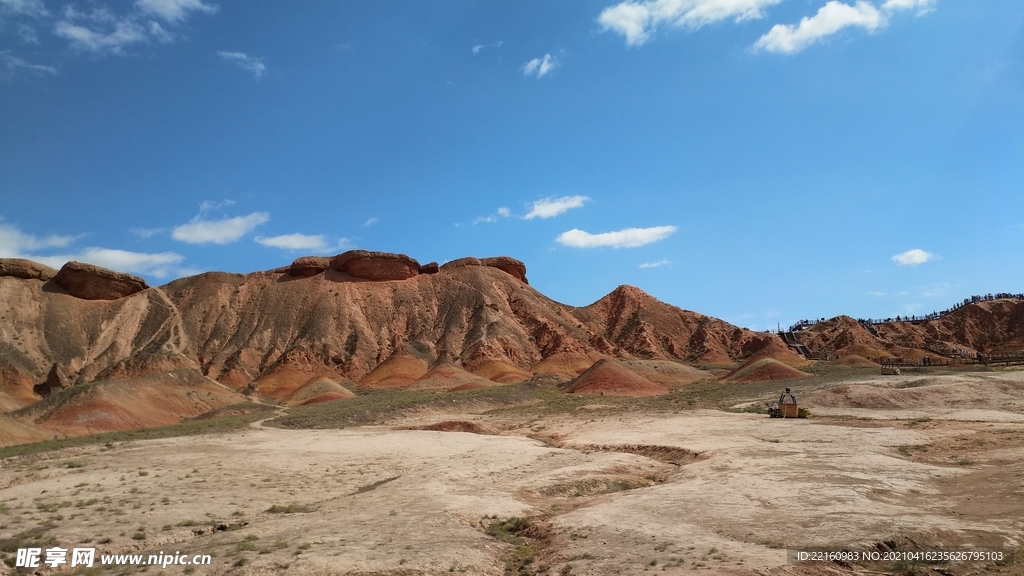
[343, 317]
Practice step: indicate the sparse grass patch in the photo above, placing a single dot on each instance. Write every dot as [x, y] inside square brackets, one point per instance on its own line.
[289, 509]
[374, 485]
[187, 428]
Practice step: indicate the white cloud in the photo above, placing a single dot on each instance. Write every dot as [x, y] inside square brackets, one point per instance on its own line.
[246, 62]
[504, 212]
[487, 219]
[99, 30]
[877, 294]
[14, 243]
[13, 64]
[912, 257]
[28, 34]
[481, 47]
[921, 6]
[294, 242]
[224, 231]
[637, 21]
[371, 221]
[551, 207]
[211, 205]
[111, 34]
[831, 18]
[174, 10]
[654, 264]
[33, 8]
[540, 66]
[160, 265]
[627, 238]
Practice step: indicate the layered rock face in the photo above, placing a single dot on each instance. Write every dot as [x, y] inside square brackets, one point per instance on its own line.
[307, 266]
[25, 269]
[376, 266]
[337, 318]
[95, 283]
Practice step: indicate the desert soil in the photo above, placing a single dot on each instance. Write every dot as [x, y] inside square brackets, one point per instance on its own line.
[937, 461]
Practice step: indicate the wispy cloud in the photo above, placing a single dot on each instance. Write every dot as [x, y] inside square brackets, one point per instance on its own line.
[146, 232]
[224, 231]
[207, 206]
[912, 257]
[657, 264]
[28, 34]
[12, 64]
[830, 19]
[294, 242]
[921, 7]
[159, 265]
[502, 212]
[638, 21]
[481, 47]
[371, 221]
[626, 238]
[540, 67]
[174, 10]
[551, 207]
[16, 244]
[245, 62]
[101, 31]
[31, 8]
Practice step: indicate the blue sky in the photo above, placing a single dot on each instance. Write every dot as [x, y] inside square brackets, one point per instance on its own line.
[757, 160]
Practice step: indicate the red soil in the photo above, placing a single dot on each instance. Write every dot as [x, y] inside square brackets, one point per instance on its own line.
[762, 370]
[609, 377]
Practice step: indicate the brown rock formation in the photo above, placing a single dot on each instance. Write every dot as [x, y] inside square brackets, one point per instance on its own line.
[430, 268]
[376, 266]
[609, 377]
[25, 269]
[91, 282]
[763, 369]
[508, 265]
[56, 381]
[307, 266]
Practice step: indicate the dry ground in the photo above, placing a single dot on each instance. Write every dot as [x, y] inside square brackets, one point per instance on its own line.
[934, 459]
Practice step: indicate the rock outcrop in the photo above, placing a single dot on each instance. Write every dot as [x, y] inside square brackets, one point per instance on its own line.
[56, 381]
[307, 266]
[90, 282]
[25, 269]
[376, 266]
[510, 266]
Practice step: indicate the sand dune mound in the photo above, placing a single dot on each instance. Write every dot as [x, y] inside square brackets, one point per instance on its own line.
[456, 426]
[563, 363]
[609, 377]
[293, 372]
[144, 402]
[667, 373]
[855, 361]
[763, 370]
[499, 371]
[322, 389]
[450, 377]
[400, 370]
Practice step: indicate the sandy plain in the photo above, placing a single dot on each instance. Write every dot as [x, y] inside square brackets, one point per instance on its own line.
[926, 459]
